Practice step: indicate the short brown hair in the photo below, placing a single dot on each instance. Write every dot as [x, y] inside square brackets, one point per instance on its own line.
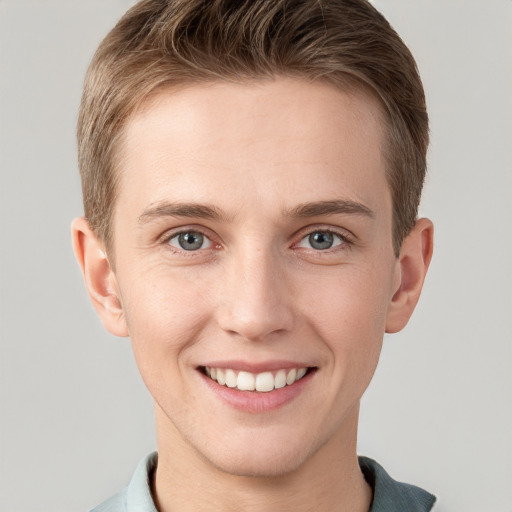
[172, 42]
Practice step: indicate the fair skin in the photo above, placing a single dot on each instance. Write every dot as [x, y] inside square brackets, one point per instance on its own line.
[252, 232]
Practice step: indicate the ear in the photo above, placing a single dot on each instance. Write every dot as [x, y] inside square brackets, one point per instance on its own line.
[99, 277]
[412, 266]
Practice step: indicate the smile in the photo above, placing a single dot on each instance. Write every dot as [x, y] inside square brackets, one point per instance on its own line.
[263, 382]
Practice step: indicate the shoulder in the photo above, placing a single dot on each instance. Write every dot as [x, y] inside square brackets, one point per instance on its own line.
[392, 496]
[136, 497]
[116, 503]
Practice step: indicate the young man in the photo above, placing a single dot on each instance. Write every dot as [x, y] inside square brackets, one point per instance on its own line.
[251, 174]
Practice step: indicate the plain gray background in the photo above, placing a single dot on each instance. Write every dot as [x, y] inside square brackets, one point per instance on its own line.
[75, 416]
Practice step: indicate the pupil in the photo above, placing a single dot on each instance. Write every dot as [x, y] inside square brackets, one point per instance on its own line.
[191, 241]
[321, 240]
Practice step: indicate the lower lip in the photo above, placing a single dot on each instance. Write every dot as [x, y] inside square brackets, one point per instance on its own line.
[258, 402]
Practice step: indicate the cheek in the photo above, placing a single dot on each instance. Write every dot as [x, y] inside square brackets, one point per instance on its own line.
[354, 300]
[161, 301]
[349, 315]
[165, 317]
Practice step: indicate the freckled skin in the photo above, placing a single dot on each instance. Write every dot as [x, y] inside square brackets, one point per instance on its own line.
[257, 289]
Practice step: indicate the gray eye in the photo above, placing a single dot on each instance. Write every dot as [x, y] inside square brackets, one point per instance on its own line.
[190, 241]
[321, 240]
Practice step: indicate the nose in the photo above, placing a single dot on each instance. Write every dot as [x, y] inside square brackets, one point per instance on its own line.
[256, 302]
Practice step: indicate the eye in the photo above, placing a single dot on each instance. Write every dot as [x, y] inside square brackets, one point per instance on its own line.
[321, 240]
[190, 241]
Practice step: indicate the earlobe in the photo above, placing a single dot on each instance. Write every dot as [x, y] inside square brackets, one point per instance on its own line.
[413, 263]
[99, 277]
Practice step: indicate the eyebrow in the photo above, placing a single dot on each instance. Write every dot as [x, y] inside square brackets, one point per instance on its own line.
[337, 206]
[211, 212]
[195, 210]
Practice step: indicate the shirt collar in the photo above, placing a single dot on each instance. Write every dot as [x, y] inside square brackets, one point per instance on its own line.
[138, 493]
[388, 494]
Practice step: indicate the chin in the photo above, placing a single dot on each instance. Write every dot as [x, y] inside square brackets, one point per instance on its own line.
[255, 460]
[269, 468]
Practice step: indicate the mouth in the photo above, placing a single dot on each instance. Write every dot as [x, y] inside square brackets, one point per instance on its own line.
[263, 382]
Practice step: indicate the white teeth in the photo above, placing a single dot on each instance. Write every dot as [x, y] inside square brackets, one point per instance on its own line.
[264, 382]
[245, 381]
[300, 373]
[221, 377]
[230, 379]
[280, 379]
[290, 378]
[261, 382]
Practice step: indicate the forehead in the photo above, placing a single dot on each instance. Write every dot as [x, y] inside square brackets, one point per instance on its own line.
[275, 142]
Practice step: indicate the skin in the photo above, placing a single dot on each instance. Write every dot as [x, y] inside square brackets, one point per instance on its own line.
[257, 290]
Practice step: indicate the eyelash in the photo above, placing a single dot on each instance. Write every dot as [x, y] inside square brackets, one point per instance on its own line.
[346, 241]
[168, 236]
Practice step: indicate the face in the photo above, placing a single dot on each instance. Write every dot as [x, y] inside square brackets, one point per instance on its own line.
[254, 266]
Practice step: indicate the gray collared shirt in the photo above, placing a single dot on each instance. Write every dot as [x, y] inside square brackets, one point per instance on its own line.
[388, 494]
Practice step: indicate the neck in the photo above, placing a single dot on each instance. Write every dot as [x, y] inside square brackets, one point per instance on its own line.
[330, 480]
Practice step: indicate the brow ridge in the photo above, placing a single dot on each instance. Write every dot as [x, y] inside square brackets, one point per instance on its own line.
[170, 209]
[335, 206]
[207, 211]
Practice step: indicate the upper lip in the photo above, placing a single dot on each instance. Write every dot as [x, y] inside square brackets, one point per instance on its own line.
[256, 367]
